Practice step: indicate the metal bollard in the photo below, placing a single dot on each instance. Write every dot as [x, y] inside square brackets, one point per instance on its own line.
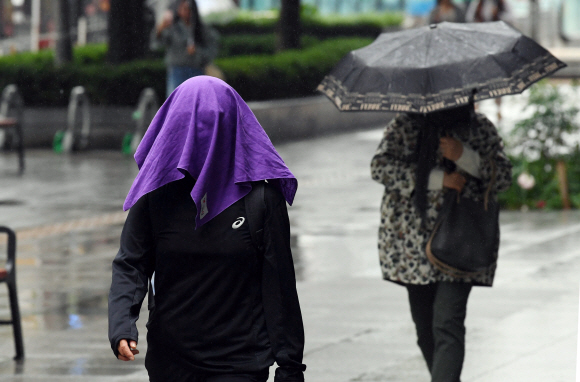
[11, 105]
[74, 139]
[146, 108]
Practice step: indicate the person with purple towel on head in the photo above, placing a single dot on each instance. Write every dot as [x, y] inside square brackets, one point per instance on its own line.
[225, 307]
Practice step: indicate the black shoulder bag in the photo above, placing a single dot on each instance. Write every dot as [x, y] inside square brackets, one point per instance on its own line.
[466, 235]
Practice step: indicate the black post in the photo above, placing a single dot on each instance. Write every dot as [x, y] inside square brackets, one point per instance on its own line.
[289, 25]
[127, 30]
[63, 50]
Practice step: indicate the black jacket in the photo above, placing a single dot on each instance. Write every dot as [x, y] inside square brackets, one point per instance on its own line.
[220, 306]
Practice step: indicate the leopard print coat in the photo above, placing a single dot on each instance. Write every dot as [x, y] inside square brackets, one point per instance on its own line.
[401, 237]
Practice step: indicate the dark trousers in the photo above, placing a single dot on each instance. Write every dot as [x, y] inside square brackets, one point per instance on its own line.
[438, 311]
[163, 365]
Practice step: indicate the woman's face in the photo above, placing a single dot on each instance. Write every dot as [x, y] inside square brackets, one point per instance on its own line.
[184, 11]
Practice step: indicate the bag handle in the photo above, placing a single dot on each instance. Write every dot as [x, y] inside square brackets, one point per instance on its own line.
[441, 266]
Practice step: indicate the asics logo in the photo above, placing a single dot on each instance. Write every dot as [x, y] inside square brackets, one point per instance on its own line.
[238, 223]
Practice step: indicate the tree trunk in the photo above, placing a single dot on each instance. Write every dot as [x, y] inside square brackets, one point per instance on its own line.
[127, 31]
[63, 50]
[289, 25]
[563, 184]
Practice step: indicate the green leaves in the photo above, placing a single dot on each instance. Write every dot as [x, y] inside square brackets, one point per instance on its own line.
[543, 135]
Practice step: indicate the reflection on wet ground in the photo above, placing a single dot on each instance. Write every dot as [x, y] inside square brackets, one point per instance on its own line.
[67, 211]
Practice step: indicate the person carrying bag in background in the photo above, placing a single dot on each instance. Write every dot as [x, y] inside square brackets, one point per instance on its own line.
[419, 160]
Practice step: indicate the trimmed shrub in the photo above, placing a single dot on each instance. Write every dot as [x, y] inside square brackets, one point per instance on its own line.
[251, 44]
[90, 54]
[287, 74]
[284, 75]
[359, 25]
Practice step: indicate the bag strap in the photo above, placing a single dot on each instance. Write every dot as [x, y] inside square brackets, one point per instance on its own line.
[491, 183]
[256, 214]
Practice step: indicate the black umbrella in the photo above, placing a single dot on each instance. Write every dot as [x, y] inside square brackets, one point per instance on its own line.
[437, 67]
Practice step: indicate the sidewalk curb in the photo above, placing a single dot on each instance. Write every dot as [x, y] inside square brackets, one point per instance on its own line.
[283, 120]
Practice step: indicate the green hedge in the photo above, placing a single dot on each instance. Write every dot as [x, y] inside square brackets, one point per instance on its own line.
[232, 45]
[48, 85]
[360, 25]
[248, 44]
[287, 74]
[89, 54]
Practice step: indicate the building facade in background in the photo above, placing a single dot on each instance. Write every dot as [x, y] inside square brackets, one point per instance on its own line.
[19, 19]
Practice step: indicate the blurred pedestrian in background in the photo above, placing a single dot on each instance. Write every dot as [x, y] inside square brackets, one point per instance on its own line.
[419, 158]
[225, 304]
[446, 10]
[189, 44]
[480, 11]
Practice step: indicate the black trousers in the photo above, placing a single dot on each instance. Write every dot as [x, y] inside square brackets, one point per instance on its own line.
[438, 311]
[165, 366]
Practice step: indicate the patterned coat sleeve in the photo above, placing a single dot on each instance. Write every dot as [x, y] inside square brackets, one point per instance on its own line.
[390, 165]
[490, 149]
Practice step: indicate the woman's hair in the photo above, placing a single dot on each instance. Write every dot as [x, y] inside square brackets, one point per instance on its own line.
[196, 24]
[431, 127]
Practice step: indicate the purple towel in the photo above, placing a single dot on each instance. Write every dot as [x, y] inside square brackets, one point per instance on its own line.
[206, 129]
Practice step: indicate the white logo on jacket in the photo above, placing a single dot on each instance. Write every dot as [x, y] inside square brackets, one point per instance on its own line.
[238, 223]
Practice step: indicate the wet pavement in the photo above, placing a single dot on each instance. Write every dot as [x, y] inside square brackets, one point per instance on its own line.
[67, 211]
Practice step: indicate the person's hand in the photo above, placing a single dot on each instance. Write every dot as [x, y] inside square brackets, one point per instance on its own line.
[451, 148]
[191, 49]
[166, 21]
[454, 180]
[127, 351]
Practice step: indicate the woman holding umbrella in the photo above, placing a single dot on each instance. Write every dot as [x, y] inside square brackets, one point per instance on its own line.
[438, 144]
[419, 158]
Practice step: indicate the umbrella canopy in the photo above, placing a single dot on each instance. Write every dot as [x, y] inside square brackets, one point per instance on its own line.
[437, 67]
